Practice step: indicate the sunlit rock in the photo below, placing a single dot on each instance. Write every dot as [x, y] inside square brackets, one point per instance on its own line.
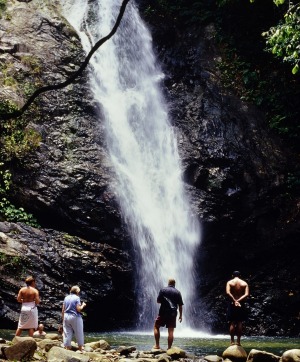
[292, 355]
[262, 356]
[235, 353]
[23, 348]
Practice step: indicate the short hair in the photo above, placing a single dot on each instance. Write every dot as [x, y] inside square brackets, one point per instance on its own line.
[75, 289]
[236, 274]
[171, 281]
[29, 280]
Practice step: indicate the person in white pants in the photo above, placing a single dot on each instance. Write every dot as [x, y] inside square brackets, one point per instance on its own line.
[72, 318]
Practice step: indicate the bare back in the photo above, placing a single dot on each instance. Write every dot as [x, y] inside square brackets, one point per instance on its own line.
[237, 289]
[28, 294]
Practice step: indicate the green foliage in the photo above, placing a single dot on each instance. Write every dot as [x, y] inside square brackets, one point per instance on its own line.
[10, 82]
[246, 68]
[7, 106]
[3, 4]
[18, 143]
[239, 75]
[254, 74]
[11, 213]
[278, 2]
[32, 63]
[283, 40]
[8, 211]
[5, 180]
[16, 140]
[13, 264]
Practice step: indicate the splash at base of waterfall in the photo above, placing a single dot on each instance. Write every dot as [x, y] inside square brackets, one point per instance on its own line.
[142, 144]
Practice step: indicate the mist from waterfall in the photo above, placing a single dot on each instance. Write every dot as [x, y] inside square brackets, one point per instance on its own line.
[143, 148]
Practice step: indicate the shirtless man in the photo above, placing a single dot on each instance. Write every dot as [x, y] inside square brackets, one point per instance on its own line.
[40, 331]
[29, 297]
[237, 290]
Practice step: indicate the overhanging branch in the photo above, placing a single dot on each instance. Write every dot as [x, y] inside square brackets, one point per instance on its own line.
[76, 74]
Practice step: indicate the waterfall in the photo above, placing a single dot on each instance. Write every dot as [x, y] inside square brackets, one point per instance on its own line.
[142, 145]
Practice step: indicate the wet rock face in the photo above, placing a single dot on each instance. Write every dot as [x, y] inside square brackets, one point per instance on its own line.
[233, 167]
[58, 261]
[68, 181]
[235, 171]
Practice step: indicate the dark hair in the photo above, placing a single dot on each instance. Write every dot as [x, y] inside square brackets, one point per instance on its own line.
[171, 281]
[236, 274]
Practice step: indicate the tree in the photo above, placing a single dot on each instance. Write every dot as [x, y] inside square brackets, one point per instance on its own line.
[283, 40]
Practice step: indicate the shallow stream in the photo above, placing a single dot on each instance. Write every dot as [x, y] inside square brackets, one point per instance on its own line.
[195, 343]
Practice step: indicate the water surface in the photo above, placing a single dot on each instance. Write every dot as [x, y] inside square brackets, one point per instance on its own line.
[197, 344]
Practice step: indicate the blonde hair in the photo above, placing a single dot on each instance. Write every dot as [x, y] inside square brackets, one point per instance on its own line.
[75, 289]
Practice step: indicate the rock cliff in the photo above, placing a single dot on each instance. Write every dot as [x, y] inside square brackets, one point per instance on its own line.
[234, 168]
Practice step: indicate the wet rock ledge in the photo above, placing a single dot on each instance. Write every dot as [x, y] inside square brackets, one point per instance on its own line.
[50, 348]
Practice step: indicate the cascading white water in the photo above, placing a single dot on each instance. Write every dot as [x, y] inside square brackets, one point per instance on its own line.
[126, 82]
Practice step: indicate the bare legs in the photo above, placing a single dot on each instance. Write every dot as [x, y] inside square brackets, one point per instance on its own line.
[235, 328]
[19, 332]
[157, 336]
[239, 332]
[170, 337]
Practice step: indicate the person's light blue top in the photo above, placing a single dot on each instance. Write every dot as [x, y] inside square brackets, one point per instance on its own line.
[70, 302]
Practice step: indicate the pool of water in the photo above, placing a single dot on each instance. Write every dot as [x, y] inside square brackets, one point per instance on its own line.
[193, 342]
[198, 344]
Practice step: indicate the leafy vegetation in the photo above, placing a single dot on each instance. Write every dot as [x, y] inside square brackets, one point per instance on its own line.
[258, 76]
[8, 211]
[2, 7]
[13, 264]
[16, 142]
[259, 43]
[17, 138]
[283, 40]
[248, 65]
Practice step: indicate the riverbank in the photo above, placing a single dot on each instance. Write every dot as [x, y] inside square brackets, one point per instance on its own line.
[197, 344]
[50, 349]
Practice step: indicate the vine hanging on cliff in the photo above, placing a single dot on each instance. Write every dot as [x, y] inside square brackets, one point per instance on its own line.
[77, 73]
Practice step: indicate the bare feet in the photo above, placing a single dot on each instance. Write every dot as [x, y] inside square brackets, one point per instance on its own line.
[156, 347]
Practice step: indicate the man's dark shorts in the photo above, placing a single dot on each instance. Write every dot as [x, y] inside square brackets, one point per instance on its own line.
[236, 314]
[166, 321]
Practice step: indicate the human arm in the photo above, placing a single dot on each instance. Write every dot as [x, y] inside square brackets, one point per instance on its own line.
[63, 311]
[37, 297]
[20, 297]
[180, 314]
[159, 297]
[79, 306]
[228, 292]
[245, 295]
